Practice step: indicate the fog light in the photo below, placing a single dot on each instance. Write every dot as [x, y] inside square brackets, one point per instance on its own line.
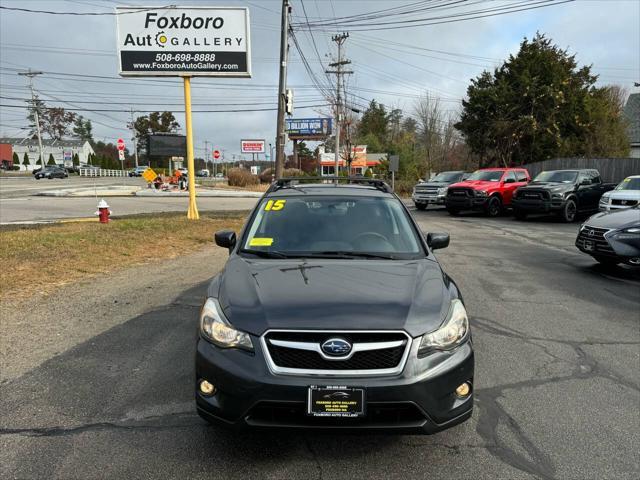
[463, 390]
[206, 388]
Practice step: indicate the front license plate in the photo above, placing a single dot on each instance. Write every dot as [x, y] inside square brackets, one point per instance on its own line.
[589, 246]
[336, 401]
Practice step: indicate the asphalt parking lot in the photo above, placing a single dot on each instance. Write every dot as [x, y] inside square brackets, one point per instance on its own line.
[557, 342]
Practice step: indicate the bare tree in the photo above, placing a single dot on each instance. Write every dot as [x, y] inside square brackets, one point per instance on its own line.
[436, 133]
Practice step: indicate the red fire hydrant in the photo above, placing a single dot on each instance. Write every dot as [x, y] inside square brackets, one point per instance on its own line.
[103, 212]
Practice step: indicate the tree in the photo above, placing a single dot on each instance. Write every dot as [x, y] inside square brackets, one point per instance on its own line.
[15, 158]
[374, 123]
[75, 160]
[538, 105]
[25, 160]
[54, 121]
[83, 129]
[51, 160]
[155, 122]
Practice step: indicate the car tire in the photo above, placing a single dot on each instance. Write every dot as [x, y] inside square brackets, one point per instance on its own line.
[520, 214]
[453, 212]
[607, 260]
[569, 211]
[494, 207]
[421, 206]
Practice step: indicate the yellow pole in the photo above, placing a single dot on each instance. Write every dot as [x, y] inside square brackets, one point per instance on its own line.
[192, 213]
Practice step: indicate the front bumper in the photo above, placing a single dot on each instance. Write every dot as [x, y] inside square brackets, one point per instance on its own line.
[428, 199]
[421, 399]
[615, 244]
[538, 206]
[466, 203]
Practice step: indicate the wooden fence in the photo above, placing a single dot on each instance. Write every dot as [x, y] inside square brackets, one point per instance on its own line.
[612, 170]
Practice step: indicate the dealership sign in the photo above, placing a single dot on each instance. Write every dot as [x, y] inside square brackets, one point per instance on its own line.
[184, 41]
[252, 146]
[309, 128]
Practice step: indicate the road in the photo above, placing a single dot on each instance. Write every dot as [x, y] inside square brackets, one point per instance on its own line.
[18, 203]
[557, 343]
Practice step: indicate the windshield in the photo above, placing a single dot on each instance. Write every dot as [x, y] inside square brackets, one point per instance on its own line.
[446, 177]
[560, 176]
[332, 227]
[486, 175]
[629, 184]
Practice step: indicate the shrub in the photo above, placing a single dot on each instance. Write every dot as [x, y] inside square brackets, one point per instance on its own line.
[15, 167]
[239, 177]
[51, 161]
[25, 160]
[292, 172]
[265, 175]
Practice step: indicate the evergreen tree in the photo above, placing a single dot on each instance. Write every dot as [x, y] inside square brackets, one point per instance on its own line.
[51, 161]
[540, 105]
[25, 160]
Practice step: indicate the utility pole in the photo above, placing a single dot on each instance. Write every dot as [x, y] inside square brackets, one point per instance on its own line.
[282, 87]
[134, 138]
[30, 74]
[339, 72]
[206, 155]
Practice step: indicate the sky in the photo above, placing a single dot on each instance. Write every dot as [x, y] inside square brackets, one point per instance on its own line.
[394, 67]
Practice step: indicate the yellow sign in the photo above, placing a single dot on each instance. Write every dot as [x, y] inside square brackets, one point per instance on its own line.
[149, 175]
[260, 242]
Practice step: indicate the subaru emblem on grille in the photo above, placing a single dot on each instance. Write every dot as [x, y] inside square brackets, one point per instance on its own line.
[336, 347]
[591, 233]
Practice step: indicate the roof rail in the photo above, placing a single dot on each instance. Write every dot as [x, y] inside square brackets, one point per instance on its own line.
[287, 181]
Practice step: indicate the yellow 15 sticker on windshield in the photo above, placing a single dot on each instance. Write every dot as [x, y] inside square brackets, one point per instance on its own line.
[274, 205]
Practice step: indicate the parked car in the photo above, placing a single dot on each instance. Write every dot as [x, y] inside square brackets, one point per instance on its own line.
[625, 195]
[282, 329]
[434, 190]
[612, 237]
[565, 193]
[51, 172]
[202, 173]
[488, 189]
[138, 171]
[219, 175]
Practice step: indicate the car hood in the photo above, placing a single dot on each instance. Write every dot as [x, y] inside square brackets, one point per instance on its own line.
[257, 295]
[475, 184]
[616, 219]
[623, 194]
[551, 186]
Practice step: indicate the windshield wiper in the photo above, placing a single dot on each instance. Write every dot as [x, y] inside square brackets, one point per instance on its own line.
[265, 253]
[348, 254]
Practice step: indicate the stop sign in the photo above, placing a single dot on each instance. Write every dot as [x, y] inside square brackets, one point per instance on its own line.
[216, 154]
[121, 144]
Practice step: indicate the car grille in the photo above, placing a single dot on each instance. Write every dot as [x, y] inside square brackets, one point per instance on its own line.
[289, 358]
[595, 235]
[460, 192]
[625, 203]
[530, 194]
[427, 190]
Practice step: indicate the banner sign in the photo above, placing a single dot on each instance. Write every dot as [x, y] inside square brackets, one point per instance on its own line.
[309, 128]
[184, 41]
[252, 146]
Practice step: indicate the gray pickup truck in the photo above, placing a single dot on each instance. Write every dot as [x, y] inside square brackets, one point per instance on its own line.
[434, 191]
[563, 192]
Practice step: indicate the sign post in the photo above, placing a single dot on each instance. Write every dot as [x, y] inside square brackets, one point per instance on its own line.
[394, 165]
[184, 42]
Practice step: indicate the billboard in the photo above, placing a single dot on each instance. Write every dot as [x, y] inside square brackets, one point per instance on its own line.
[252, 146]
[167, 146]
[184, 41]
[309, 128]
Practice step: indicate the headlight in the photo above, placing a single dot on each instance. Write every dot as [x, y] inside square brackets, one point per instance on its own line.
[443, 190]
[630, 233]
[481, 193]
[632, 230]
[604, 200]
[452, 333]
[215, 327]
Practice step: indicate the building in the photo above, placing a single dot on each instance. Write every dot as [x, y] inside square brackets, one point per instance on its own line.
[6, 155]
[62, 150]
[361, 161]
[632, 112]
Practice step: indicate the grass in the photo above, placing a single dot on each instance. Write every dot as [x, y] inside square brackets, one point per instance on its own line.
[40, 259]
[262, 187]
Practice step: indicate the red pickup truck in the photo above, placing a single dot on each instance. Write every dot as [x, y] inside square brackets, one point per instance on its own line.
[488, 189]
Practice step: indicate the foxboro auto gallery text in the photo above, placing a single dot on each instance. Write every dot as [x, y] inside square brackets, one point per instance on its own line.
[183, 21]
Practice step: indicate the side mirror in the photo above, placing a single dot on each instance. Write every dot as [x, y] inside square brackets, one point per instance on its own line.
[510, 180]
[225, 238]
[437, 240]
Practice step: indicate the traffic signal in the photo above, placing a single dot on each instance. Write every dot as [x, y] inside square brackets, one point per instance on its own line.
[288, 102]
